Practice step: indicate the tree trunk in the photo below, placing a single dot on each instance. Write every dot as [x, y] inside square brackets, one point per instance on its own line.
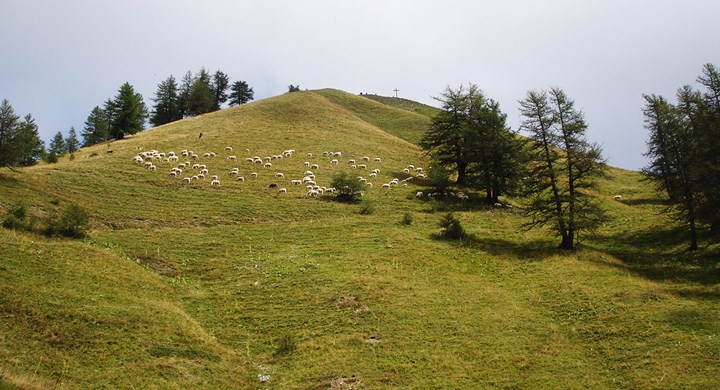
[567, 242]
[462, 175]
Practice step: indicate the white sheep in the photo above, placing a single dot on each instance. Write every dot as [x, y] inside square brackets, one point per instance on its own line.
[241, 179]
[377, 159]
[351, 161]
[309, 155]
[215, 182]
[366, 158]
[206, 154]
[337, 154]
[296, 182]
[232, 158]
[334, 161]
[420, 176]
[410, 167]
[282, 190]
[214, 177]
[617, 197]
[253, 175]
[406, 171]
[418, 169]
[373, 174]
[306, 163]
[187, 180]
[418, 195]
[362, 166]
[228, 148]
[386, 185]
[194, 156]
[314, 166]
[249, 159]
[268, 158]
[279, 175]
[172, 174]
[268, 165]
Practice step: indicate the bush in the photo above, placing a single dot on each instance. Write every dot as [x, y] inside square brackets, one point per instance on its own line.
[13, 222]
[407, 219]
[367, 208]
[16, 219]
[438, 177]
[452, 228]
[349, 189]
[74, 221]
[286, 345]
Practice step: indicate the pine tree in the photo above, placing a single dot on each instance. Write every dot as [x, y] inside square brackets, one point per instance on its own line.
[167, 103]
[28, 145]
[72, 144]
[57, 148]
[709, 147]
[202, 99]
[184, 94]
[563, 164]
[8, 133]
[220, 84]
[96, 127]
[127, 112]
[240, 93]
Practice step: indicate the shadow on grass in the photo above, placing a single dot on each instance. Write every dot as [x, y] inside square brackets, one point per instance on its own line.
[532, 250]
[652, 254]
[645, 202]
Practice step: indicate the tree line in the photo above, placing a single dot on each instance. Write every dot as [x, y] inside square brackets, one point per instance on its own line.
[124, 114]
[684, 153]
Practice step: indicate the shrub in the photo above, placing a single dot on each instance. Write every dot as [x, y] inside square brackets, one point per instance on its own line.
[438, 177]
[348, 188]
[12, 222]
[286, 345]
[407, 219]
[451, 227]
[367, 208]
[74, 221]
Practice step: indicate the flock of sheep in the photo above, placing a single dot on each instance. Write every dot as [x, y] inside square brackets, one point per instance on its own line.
[194, 168]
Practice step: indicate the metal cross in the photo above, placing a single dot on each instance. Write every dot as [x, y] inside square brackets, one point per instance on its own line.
[396, 91]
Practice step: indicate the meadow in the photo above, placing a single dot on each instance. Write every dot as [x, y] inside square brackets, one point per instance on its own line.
[238, 286]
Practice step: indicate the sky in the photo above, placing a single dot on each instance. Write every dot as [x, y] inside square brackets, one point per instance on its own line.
[59, 59]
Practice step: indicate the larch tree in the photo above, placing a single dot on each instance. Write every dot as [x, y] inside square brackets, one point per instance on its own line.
[220, 85]
[72, 144]
[563, 164]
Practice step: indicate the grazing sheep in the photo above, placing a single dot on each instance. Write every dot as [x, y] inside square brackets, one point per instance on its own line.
[353, 166]
[418, 169]
[377, 159]
[410, 167]
[195, 178]
[257, 160]
[206, 154]
[201, 175]
[249, 159]
[228, 148]
[282, 190]
[172, 174]
[314, 166]
[152, 167]
[334, 162]
[195, 166]
[418, 195]
[313, 194]
[386, 185]
[309, 155]
[173, 158]
[306, 179]
[268, 165]
[306, 163]
[617, 197]
[184, 153]
[308, 173]
[351, 162]
[368, 184]
[241, 179]
[373, 174]
[296, 182]
[406, 171]
[232, 158]
[268, 159]
[194, 156]
[420, 176]
[337, 154]
[279, 175]
[186, 180]
[362, 166]
[253, 175]
[204, 171]
[366, 158]
[272, 185]
[213, 154]
[215, 182]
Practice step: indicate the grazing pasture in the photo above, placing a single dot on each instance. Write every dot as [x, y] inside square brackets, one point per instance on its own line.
[181, 284]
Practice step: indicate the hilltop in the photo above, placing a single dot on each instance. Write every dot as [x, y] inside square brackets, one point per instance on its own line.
[238, 286]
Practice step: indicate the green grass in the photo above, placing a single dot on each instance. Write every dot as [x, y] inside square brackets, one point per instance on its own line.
[189, 286]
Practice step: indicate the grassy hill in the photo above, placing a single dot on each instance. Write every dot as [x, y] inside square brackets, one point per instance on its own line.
[239, 286]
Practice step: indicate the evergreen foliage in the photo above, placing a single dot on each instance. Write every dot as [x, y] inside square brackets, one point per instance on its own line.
[683, 145]
[126, 112]
[563, 164]
[9, 122]
[220, 85]
[349, 189]
[96, 127]
[167, 103]
[29, 147]
[57, 145]
[470, 137]
[293, 88]
[72, 144]
[240, 93]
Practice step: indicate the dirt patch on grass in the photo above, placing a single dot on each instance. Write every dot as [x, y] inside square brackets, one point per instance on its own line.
[352, 383]
[352, 302]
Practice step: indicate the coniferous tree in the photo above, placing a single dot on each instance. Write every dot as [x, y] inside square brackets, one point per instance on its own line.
[184, 91]
[72, 144]
[709, 147]
[563, 165]
[127, 112]
[240, 93]
[293, 88]
[29, 147]
[96, 127]
[220, 85]
[167, 103]
[8, 133]
[202, 98]
[56, 149]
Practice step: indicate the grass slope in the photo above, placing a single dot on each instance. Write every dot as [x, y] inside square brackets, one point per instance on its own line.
[192, 286]
[405, 104]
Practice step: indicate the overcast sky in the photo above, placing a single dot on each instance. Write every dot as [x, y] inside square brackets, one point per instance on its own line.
[59, 59]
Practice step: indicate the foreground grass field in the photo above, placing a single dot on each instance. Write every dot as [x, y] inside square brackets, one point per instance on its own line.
[237, 286]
